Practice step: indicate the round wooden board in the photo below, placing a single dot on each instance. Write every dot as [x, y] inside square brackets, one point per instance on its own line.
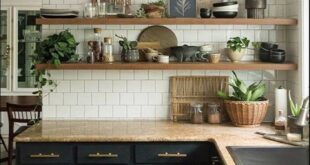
[160, 34]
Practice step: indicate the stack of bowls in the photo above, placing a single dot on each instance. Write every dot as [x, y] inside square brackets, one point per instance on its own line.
[269, 52]
[225, 9]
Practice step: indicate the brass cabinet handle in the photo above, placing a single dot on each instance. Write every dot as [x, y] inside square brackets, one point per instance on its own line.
[177, 155]
[99, 155]
[40, 155]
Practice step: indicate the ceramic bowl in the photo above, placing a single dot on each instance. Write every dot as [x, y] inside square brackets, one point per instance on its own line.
[268, 46]
[277, 58]
[226, 14]
[225, 3]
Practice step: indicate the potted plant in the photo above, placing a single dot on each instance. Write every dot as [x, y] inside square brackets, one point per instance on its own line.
[247, 105]
[155, 9]
[236, 48]
[256, 46]
[54, 50]
[295, 112]
[129, 52]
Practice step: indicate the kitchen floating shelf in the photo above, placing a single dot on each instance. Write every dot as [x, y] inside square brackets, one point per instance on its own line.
[168, 21]
[172, 66]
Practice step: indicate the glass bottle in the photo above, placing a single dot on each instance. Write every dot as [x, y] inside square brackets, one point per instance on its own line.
[101, 8]
[97, 45]
[280, 123]
[196, 113]
[108, 50]
[90, 10]
[214, 113]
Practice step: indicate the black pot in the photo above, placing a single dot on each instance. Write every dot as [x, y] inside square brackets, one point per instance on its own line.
[264, 55]
[277, 58]
[255, 4]
[182, 53]
[225, 4]
[268, 46]
[277, 52]
[293, 128]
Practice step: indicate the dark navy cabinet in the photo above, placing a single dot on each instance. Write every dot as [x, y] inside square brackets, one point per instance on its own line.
[152, 153]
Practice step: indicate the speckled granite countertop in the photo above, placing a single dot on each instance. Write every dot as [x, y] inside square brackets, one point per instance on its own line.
[147, 131]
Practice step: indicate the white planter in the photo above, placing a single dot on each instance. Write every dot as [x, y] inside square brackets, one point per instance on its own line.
[234, 56]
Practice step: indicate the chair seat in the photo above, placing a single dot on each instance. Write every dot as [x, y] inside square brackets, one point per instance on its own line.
[20, 130]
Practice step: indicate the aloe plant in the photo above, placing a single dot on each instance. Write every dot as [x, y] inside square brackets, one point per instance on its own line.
[295, 108]
[242, 92]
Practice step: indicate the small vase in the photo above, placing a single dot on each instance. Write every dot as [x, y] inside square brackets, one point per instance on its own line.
[234, 56]
[132, 55]
[292, 127]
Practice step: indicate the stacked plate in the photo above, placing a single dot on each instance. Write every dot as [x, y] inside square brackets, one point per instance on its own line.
[225, 9]
[59, 13]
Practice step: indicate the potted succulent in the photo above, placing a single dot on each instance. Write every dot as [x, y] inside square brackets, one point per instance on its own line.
[129, 53]
[295, 112]
[247, 105]
[236, 48]
[155, 9]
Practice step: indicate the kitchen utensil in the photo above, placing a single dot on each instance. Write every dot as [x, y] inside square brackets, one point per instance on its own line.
[277, 55]
[160, 34]
[268, 45]
[264, 55]
[195, 89]
[225, 14]
[196, 113]
[255, 8]
[283, 139]
[161, 59]
[225, 3]
[58, 11]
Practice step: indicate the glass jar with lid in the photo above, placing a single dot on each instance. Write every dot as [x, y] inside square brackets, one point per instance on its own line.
[214, 113]
[108, 50]
[196, 113]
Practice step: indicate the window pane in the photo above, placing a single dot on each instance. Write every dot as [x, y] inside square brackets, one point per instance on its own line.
[29, 35]
[3, 48]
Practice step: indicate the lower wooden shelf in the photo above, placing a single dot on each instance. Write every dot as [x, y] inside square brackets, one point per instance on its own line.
[171, 66]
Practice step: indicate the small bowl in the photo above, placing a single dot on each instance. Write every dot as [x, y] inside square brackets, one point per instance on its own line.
[236, 6]
[268, 46]
[264, 55]
[277, 58]
[277, 52]
[206, 14]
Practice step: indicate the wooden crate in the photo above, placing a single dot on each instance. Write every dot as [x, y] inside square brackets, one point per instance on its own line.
[185, 90]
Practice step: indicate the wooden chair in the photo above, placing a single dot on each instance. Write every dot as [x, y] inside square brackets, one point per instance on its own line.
[20, 114]
[3, 159]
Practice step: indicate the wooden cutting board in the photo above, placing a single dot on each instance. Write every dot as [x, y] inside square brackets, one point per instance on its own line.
[161, 34]
[283, 139]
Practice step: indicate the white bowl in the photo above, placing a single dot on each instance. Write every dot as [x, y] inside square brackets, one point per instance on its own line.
[224, 10]
[236, 6]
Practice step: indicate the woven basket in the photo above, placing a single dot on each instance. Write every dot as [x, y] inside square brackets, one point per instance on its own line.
[246, 113]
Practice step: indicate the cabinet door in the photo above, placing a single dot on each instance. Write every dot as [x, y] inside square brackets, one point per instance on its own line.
[103, 154]
[45, 154]
[5, 49]
[27, 36]
[172, 153]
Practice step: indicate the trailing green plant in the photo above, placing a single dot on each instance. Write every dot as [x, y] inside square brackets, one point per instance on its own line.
[236, 43]
[295, 108]
[140, 13]
[158, 3]
[126, 44]
[242, 92]
[55, 49]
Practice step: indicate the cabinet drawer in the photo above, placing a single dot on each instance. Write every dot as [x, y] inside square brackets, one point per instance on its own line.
[45, 153]
[103, 153]
[193, 153]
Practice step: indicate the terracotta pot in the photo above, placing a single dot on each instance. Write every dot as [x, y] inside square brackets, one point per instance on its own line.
[246, 113]
[292, 127]
[234, 56]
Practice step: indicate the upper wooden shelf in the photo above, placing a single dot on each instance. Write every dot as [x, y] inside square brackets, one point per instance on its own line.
[173, 66]
[169, 21]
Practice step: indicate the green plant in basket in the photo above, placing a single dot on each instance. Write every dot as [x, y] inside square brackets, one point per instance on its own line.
[237, 43]
[242, 92]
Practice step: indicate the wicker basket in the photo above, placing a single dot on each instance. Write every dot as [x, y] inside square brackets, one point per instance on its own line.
[185, 90]
[246, 113]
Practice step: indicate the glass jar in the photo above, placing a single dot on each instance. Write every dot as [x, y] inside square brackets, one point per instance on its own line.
[108, 50]
[214, 113]
[90, 10]
[101, 9]
[96, 45]
[132, 55]
[196, 113]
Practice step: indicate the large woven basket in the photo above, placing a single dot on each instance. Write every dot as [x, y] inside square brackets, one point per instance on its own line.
[246, 113]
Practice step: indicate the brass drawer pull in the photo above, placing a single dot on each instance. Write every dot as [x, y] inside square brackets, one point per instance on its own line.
[40, 155]
[99, 155]
[177, 155]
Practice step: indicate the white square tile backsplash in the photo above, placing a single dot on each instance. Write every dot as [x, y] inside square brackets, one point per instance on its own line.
[144, 94]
